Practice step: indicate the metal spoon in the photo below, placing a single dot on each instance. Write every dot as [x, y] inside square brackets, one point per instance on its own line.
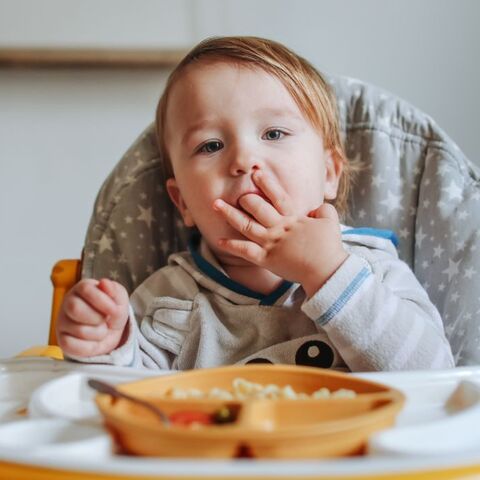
[104, 387]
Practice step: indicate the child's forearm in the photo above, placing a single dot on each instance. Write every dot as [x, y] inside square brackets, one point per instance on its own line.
[380, 318]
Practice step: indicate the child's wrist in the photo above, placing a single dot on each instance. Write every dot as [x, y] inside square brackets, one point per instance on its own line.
[319, 274]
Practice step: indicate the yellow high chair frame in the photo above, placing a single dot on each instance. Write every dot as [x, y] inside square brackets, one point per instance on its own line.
[65, 274]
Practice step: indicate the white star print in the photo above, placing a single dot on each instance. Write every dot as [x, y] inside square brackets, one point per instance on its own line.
[476, 196]
[361, 213]
[469, 272]
[105, 243]
[437, 251]
[441, 287]
[463, 215]
[442, 171]
[146, 215]
[454, 191]
[129, 179]
[164, 247]
[128, 219]
[441, 205]
[419, 237]
[392, 202]
[377, 180]
[404, 233]
[455, 296]
[452, 269]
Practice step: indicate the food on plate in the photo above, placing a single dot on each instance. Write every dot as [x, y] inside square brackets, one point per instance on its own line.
[243, 389]
[194, 418]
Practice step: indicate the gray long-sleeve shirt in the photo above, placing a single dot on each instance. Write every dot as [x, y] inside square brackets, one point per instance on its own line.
[372, 314]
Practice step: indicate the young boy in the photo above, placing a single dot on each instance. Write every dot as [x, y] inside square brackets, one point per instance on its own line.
[250, 137]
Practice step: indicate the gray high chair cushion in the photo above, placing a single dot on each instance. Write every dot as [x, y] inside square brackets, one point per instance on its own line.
[415, 182]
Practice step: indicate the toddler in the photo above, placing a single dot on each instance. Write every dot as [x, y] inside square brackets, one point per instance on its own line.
[250, 138]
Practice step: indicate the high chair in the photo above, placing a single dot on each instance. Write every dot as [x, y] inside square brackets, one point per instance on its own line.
[415, 182]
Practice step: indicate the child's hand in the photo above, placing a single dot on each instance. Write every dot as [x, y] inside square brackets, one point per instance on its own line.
[305, 249]
[92, 318]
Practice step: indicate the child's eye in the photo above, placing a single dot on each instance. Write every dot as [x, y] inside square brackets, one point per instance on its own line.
[210, 147]
[274, 134]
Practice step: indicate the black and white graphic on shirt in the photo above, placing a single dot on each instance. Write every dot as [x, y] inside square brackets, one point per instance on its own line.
[315, 353]
[259, 360]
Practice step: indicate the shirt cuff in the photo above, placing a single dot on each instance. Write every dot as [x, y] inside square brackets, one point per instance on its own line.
[330, 299]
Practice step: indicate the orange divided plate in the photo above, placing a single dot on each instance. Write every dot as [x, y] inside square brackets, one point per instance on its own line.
[264, 428]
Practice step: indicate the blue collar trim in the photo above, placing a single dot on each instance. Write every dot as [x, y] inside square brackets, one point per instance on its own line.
[374, 232]
[211, 271]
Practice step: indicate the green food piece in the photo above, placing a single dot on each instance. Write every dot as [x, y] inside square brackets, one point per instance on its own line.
[224, 415]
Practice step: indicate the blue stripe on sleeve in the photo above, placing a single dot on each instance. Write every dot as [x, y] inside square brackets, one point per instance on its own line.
[344, 297]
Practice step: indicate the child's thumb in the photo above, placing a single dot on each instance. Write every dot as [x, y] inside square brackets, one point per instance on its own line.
[326, 210]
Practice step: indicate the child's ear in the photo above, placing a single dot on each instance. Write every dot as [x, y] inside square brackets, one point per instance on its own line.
[176, 197]
[333, 172]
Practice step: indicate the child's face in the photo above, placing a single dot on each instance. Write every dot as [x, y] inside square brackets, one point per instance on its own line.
[225, 121]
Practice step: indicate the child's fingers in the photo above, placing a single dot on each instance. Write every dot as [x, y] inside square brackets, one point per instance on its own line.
[96, 298]
[274, 192]
[85, 332]
[260, 209]
[114, 290]
[82, 348]
[240, 221]
[326, 210]
[78, 310]
[249, 251]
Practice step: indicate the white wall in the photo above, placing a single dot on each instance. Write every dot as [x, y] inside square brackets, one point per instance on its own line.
[61, 131]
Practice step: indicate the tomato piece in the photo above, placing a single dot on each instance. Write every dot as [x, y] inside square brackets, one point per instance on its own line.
[188, 417]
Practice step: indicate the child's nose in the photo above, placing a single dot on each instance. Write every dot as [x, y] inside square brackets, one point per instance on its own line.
[244, 162]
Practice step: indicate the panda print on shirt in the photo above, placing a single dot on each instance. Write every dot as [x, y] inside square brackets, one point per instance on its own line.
[311, 351]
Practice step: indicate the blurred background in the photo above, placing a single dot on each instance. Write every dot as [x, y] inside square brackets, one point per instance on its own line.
[63, 127]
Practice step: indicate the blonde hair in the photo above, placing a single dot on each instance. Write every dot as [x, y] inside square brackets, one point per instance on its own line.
[308, 88]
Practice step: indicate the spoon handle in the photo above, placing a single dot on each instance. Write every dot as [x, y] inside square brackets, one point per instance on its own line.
[107, 388]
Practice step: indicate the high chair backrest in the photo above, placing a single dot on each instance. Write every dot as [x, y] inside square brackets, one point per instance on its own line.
[415, 182]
